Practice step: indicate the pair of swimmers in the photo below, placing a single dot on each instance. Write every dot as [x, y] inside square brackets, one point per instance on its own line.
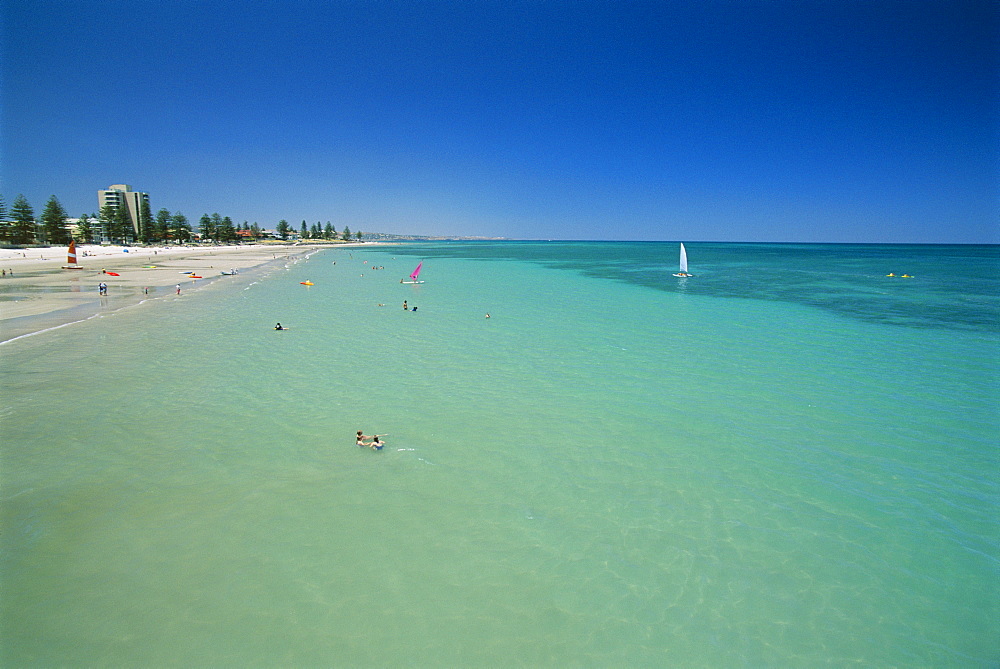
[374, 444]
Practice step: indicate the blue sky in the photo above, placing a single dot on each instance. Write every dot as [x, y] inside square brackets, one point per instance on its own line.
[830, 121]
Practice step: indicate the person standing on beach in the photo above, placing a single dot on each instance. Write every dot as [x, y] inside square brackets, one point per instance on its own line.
[178, 289]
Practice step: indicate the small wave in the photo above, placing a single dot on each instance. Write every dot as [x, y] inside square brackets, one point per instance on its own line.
[54, 327]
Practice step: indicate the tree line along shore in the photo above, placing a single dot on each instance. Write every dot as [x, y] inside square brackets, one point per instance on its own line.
[20, 228]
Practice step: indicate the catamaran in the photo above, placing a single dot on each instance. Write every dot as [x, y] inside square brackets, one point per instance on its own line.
[684, 264]
[414, 274]
[71, 257]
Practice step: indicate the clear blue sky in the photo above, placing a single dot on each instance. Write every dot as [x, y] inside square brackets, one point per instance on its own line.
[743, 120]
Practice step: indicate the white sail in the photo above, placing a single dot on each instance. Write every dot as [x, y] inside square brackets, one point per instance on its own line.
[684, 260]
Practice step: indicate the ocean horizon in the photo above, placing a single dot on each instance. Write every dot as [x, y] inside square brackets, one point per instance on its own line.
[788, 459]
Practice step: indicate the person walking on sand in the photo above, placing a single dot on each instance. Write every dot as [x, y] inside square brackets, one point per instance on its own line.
[178, 289]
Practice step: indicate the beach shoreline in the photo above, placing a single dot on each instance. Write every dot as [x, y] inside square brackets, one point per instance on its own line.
[38, 294]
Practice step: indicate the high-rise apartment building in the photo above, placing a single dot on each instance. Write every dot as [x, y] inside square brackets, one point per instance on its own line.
[122, 195]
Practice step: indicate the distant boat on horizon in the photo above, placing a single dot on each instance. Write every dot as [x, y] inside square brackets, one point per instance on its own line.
[414, 274]
[71, 257]
[683, 272]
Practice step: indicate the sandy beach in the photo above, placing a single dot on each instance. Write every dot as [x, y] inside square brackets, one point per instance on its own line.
[36, 293]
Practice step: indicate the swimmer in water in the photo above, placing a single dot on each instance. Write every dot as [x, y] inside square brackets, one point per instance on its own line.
[361, 439]
[376, 445]
[278, 327]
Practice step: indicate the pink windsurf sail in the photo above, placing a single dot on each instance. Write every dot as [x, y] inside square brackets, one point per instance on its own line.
[415, 273]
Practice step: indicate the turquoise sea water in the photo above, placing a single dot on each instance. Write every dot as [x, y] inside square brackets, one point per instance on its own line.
[789, 460]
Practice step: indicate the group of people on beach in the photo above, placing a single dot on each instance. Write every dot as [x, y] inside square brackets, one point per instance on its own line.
[374, 444]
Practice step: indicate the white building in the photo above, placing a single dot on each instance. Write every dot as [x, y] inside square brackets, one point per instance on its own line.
[122, 195]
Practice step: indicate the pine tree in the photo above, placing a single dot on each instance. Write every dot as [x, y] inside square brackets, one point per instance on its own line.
[226, 232]
[147, 230]
[54, 222]
[162, 225]
[4, 224]
[216, 226]
[283, 229]
[181, 228]
[109, 221]
[357, 235]
[346, 234]
[123, 224]
[328, 232]
[206, 228]
[23, 231]
[305, 232]
[84, 230]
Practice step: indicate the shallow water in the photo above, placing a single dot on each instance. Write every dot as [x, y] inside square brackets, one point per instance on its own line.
[638, 471]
